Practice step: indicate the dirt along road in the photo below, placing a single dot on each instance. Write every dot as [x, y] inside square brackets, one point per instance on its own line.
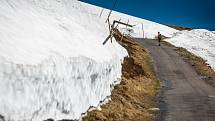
[184, 95]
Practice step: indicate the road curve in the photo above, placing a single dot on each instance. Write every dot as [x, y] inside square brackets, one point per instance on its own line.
[185, 96]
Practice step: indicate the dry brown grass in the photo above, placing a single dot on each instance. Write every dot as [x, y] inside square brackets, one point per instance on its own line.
[199, 64]
[131, 99]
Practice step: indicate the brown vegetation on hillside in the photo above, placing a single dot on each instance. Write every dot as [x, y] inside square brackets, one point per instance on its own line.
[179, 27]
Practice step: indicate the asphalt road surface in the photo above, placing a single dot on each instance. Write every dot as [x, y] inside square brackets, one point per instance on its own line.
[185, 96]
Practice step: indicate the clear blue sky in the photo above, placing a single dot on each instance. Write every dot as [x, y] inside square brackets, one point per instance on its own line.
[189, 13]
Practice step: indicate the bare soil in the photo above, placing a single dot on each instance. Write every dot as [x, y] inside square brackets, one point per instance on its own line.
[135, 95]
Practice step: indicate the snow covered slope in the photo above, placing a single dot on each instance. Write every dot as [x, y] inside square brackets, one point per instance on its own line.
[53, 63]
[150, 28]
[201, 42]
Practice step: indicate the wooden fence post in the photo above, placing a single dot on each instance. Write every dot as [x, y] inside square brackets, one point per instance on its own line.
[127, 23]
[142, 30]
[114, 4]
[101, 13]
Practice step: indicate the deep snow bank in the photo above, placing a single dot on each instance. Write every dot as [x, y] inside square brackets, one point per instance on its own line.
[150, 28]
[201, 42]
[53, 63]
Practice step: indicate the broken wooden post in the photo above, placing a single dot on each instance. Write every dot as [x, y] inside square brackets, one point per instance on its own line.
[112, 28]
[121, 23]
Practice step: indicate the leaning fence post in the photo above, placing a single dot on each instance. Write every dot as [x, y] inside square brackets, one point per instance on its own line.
[111, 11]
[101, 13]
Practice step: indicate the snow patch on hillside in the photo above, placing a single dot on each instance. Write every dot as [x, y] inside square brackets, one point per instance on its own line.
[200, 42]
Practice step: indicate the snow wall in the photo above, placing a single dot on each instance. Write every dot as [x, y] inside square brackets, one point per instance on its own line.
[52, 61]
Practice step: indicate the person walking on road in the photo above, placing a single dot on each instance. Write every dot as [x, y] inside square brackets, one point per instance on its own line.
[159, 39]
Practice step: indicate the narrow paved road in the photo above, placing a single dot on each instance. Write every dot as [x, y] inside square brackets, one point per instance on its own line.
[185, 96]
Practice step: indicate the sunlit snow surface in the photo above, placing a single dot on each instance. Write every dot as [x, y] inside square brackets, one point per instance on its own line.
[52, 61]
[201, 42]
